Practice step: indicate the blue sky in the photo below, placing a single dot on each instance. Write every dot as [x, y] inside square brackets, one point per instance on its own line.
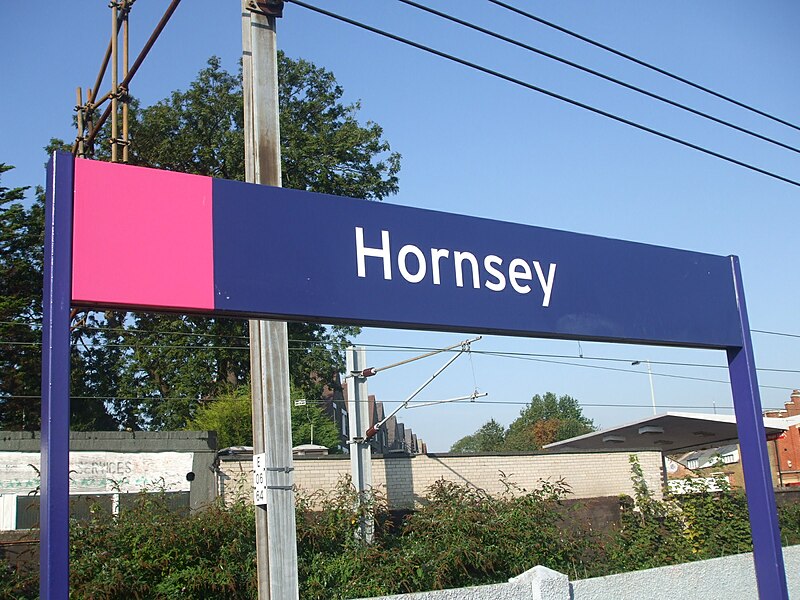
[476, 145]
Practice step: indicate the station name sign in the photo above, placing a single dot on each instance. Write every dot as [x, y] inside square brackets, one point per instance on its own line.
[158, 240]
[488, 272]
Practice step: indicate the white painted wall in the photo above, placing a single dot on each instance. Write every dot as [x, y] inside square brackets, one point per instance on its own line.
[8, 511]
[101, 472]
[726, 578]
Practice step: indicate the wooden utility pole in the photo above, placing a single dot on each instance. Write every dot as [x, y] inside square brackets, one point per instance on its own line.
[276, 538]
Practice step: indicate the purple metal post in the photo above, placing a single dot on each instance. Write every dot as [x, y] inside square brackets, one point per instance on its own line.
[767, 552]
[54, 501]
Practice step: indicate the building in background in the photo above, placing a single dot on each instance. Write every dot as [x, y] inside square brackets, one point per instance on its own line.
[786, 446]
[393, 437]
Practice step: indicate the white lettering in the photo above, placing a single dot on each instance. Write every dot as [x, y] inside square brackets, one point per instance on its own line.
[421, 266]
[514, 275]
[547, 284]
[459, 258]
[436, 255]
[495, 275]
[488, 264]
[382, 252]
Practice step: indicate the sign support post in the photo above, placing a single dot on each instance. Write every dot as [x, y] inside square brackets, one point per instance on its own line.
[54, 475]
[276, 538]
[767, 549]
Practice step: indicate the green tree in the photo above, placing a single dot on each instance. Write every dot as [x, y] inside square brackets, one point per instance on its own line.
[547, 419]
[230, 415]
[21, 277]
[199, 130]
[156, 371]
[489, 438]
[21, 239]
[310, 418]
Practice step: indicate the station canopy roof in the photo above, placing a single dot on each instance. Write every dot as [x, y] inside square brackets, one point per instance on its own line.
[670, 433]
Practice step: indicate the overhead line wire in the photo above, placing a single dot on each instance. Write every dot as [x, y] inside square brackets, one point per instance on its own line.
[546, 92]
[321, 402]
[534, 358]
[645, 64]
[32, 327]
[388, 348]
[790, 335]
[599, 74]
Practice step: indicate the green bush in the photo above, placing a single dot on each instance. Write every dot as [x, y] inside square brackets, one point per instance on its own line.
[17, 585]
[461, 536]
[651, 532]
[152, 551]
[789, 519]
[716, 522]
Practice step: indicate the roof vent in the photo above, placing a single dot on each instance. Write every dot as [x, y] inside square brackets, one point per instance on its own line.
[645, 429]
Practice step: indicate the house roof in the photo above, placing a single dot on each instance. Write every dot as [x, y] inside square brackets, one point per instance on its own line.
[669, 432]
[708, 456]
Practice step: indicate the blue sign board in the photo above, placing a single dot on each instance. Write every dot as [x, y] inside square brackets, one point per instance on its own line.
[302, 255]
[137, 238]
[199, 244]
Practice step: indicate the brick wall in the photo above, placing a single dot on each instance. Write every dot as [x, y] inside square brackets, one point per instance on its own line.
[404, 479]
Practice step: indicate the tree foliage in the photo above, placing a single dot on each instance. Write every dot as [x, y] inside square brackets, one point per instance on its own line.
[21, 273]
[545, 420]
[230, 415]
[149, 371]
[21, 241]
[489, 438]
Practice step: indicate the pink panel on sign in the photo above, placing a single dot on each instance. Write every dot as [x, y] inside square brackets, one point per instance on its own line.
[142, 237]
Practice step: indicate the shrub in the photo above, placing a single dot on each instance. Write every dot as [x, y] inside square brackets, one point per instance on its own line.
[462, 536]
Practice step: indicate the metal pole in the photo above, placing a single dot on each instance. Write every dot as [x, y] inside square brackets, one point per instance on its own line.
[767, 551]
[276, 537]
[368, 372]
[89, 121]
[54, 475]
[98, 82]
[652, 389]
[135, 67]
[125, 64]
[79, 107]
[360, 449]
[114, 79]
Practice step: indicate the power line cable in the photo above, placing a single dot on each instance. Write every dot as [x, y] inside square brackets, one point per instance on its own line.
[35, 327]
[668, 375]
[516, 356]
[599, 74]
[643, 63]
[546, 92]
[791, 335]
[394, 348]
[477, 401]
